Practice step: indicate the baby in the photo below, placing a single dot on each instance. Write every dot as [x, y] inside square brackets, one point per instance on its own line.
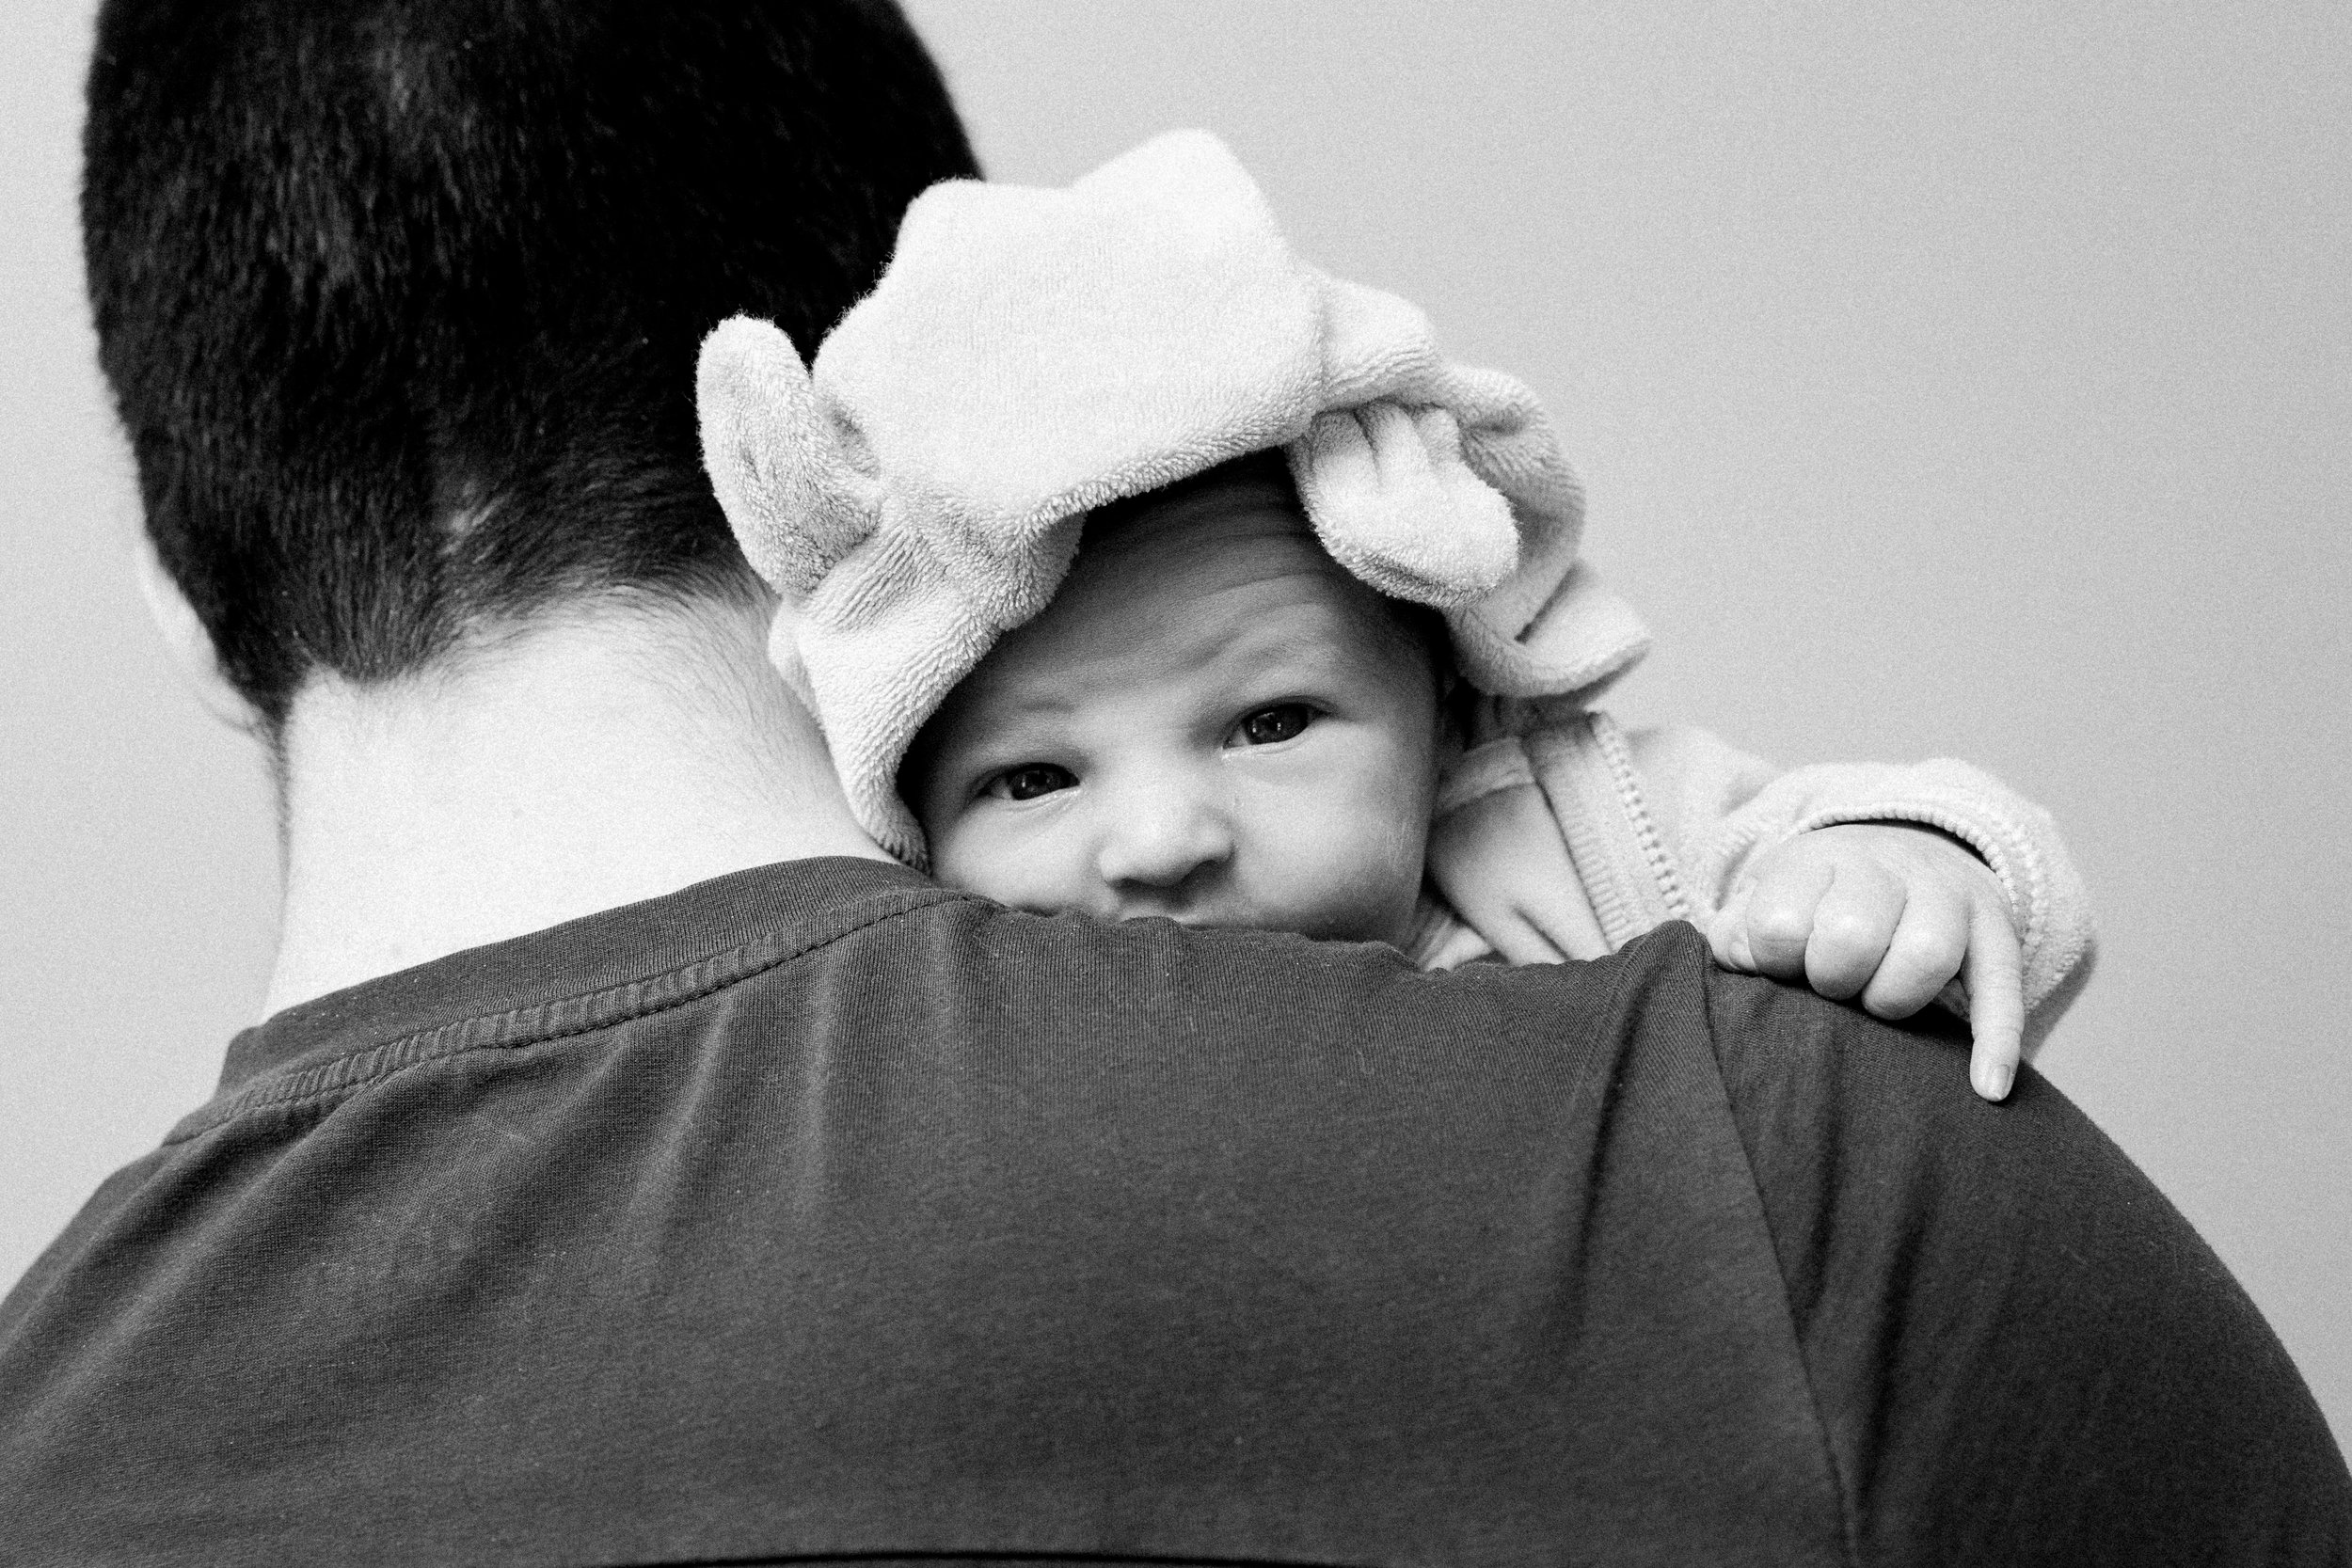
[1134, 567]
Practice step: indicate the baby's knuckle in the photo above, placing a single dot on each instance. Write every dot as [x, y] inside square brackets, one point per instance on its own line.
[1845, 928]
[1897, 1002]
[1778, 919]
[1930, 948]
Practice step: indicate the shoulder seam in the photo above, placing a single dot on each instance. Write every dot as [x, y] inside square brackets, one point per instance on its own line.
[1851, 1526]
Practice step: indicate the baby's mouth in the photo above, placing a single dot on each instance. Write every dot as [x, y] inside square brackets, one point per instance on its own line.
[1205, 917]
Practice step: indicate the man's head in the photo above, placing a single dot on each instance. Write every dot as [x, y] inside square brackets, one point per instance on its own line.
[1213, 721]
[400, 299]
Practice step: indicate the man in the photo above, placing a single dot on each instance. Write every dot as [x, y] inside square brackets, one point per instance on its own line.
[635, 1168]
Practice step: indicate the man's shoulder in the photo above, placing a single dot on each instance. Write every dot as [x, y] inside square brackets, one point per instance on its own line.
[2019, 1348]
[963, 1229]
[855, 953]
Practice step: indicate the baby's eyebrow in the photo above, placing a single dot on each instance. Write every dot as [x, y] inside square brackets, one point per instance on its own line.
[995, 734]
[1045, 704]
[1320, 642]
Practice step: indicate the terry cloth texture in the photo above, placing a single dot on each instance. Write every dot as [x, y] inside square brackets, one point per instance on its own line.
[1033, 353]
[816, 1213]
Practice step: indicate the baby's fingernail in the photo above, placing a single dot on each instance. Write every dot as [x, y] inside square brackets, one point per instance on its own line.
[1993, 1083]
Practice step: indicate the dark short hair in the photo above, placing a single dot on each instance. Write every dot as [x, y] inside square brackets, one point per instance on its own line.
[400, 299]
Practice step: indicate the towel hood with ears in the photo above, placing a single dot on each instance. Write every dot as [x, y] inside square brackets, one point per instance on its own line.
[1033, 353]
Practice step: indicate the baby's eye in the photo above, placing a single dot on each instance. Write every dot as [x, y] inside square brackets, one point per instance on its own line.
[1029, 781]
[1271, 724]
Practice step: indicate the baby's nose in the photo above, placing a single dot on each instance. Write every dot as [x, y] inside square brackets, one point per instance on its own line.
[1162, 837]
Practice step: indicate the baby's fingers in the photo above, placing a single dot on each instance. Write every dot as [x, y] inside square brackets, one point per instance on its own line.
[1996, 974]
[1926, 954]
[1853, 924]
[1777, 923]
[1727, 933]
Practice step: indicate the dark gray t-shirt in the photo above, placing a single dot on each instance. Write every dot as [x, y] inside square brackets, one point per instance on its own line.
[819, 1212]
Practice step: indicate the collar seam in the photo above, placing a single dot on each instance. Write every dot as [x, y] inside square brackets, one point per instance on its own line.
[535, 1023]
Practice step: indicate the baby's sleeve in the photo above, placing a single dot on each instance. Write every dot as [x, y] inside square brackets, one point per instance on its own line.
[1717, 809]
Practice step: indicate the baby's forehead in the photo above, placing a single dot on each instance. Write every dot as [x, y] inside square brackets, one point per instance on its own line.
[1224, 546]
[1261, 480]
[1220, 574]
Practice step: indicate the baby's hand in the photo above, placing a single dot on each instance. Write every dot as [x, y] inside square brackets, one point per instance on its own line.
[1501, 864]
[1893, 914]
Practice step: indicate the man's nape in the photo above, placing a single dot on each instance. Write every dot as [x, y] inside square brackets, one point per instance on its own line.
[367, 455]
[613, 752]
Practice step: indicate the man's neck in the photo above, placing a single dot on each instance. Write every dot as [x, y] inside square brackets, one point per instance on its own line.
[614, 756]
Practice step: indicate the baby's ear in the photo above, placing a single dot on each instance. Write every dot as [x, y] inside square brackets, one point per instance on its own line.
[795, 500]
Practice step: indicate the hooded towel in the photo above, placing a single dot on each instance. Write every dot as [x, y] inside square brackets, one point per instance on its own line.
[1030, 355]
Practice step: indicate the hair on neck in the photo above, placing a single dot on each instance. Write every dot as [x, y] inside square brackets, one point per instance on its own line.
[400, 299]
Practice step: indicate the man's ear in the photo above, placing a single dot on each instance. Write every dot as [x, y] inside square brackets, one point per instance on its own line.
[190, 645]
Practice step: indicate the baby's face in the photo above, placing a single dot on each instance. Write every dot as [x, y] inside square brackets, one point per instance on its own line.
[1212, 722]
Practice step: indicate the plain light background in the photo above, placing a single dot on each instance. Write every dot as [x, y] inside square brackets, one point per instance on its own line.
[1968, 379]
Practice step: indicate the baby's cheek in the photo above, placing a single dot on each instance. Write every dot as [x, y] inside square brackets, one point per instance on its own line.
[1028, 870]
[1353, 866]
[966, 857]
